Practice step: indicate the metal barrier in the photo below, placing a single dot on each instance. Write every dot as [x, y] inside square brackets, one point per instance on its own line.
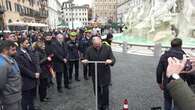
[157, 48]
[96, 78]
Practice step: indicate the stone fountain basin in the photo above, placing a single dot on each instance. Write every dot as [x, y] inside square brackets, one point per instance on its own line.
[139, 40]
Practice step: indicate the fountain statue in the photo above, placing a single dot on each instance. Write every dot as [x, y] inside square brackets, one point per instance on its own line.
[159, 12]
[154, 18]
[189, 7]
[185, 23]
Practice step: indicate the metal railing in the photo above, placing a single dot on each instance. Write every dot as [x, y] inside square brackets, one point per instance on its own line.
[96, 78]
[156, 48]
[149, 45]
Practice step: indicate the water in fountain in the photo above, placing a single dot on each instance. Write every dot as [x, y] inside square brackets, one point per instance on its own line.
[155, 27]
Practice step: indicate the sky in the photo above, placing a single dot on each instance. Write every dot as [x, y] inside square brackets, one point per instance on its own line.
[80, 2]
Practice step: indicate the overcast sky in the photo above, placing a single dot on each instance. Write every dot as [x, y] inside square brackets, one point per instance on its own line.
[80, 2]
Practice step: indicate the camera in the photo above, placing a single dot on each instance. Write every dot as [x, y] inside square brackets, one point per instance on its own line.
[188, 65]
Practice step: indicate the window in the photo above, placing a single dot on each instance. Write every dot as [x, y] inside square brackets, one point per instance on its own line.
[66, 19]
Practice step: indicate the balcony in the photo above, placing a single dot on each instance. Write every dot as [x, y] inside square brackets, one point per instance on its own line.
[41, 14]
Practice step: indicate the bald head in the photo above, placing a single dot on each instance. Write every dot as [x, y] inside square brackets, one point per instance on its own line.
[97, 42]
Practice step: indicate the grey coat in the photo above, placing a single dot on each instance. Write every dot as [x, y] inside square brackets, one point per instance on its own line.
[10, 81]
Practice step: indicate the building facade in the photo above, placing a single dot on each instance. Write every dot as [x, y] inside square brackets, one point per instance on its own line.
[54, 9]
[24, 11]
[75, 16]
[105, 10]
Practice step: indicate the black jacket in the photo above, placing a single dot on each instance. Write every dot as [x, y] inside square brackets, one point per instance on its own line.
[43, 63]
[60, 53]
[48, 47]
[73, 50]
[163, 63]
[104, 72]
[28, 70]
[84, 44]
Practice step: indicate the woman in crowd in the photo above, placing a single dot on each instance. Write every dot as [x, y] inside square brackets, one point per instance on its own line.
[44, 61]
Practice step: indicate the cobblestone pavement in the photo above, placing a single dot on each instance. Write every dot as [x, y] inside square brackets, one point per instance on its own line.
[133, 77]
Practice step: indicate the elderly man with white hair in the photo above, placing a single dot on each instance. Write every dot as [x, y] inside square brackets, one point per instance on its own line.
[99, 52]
[60, 60]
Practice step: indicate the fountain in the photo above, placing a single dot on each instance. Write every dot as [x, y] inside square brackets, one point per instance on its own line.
[159, 21]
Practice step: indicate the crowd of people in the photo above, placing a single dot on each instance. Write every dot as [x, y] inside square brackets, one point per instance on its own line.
[31, 62]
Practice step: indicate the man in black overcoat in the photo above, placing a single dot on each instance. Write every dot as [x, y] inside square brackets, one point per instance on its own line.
[99, 52]
[59, 61]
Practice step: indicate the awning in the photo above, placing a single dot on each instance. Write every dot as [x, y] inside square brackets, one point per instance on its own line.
[17, 24]
[37, 25]
[27, 24]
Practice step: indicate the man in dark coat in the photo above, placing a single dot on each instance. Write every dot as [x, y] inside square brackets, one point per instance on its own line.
[73, 55]
[177, 52]
[60, 60]
[99, 52]
[84, 44]
[29, 74]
